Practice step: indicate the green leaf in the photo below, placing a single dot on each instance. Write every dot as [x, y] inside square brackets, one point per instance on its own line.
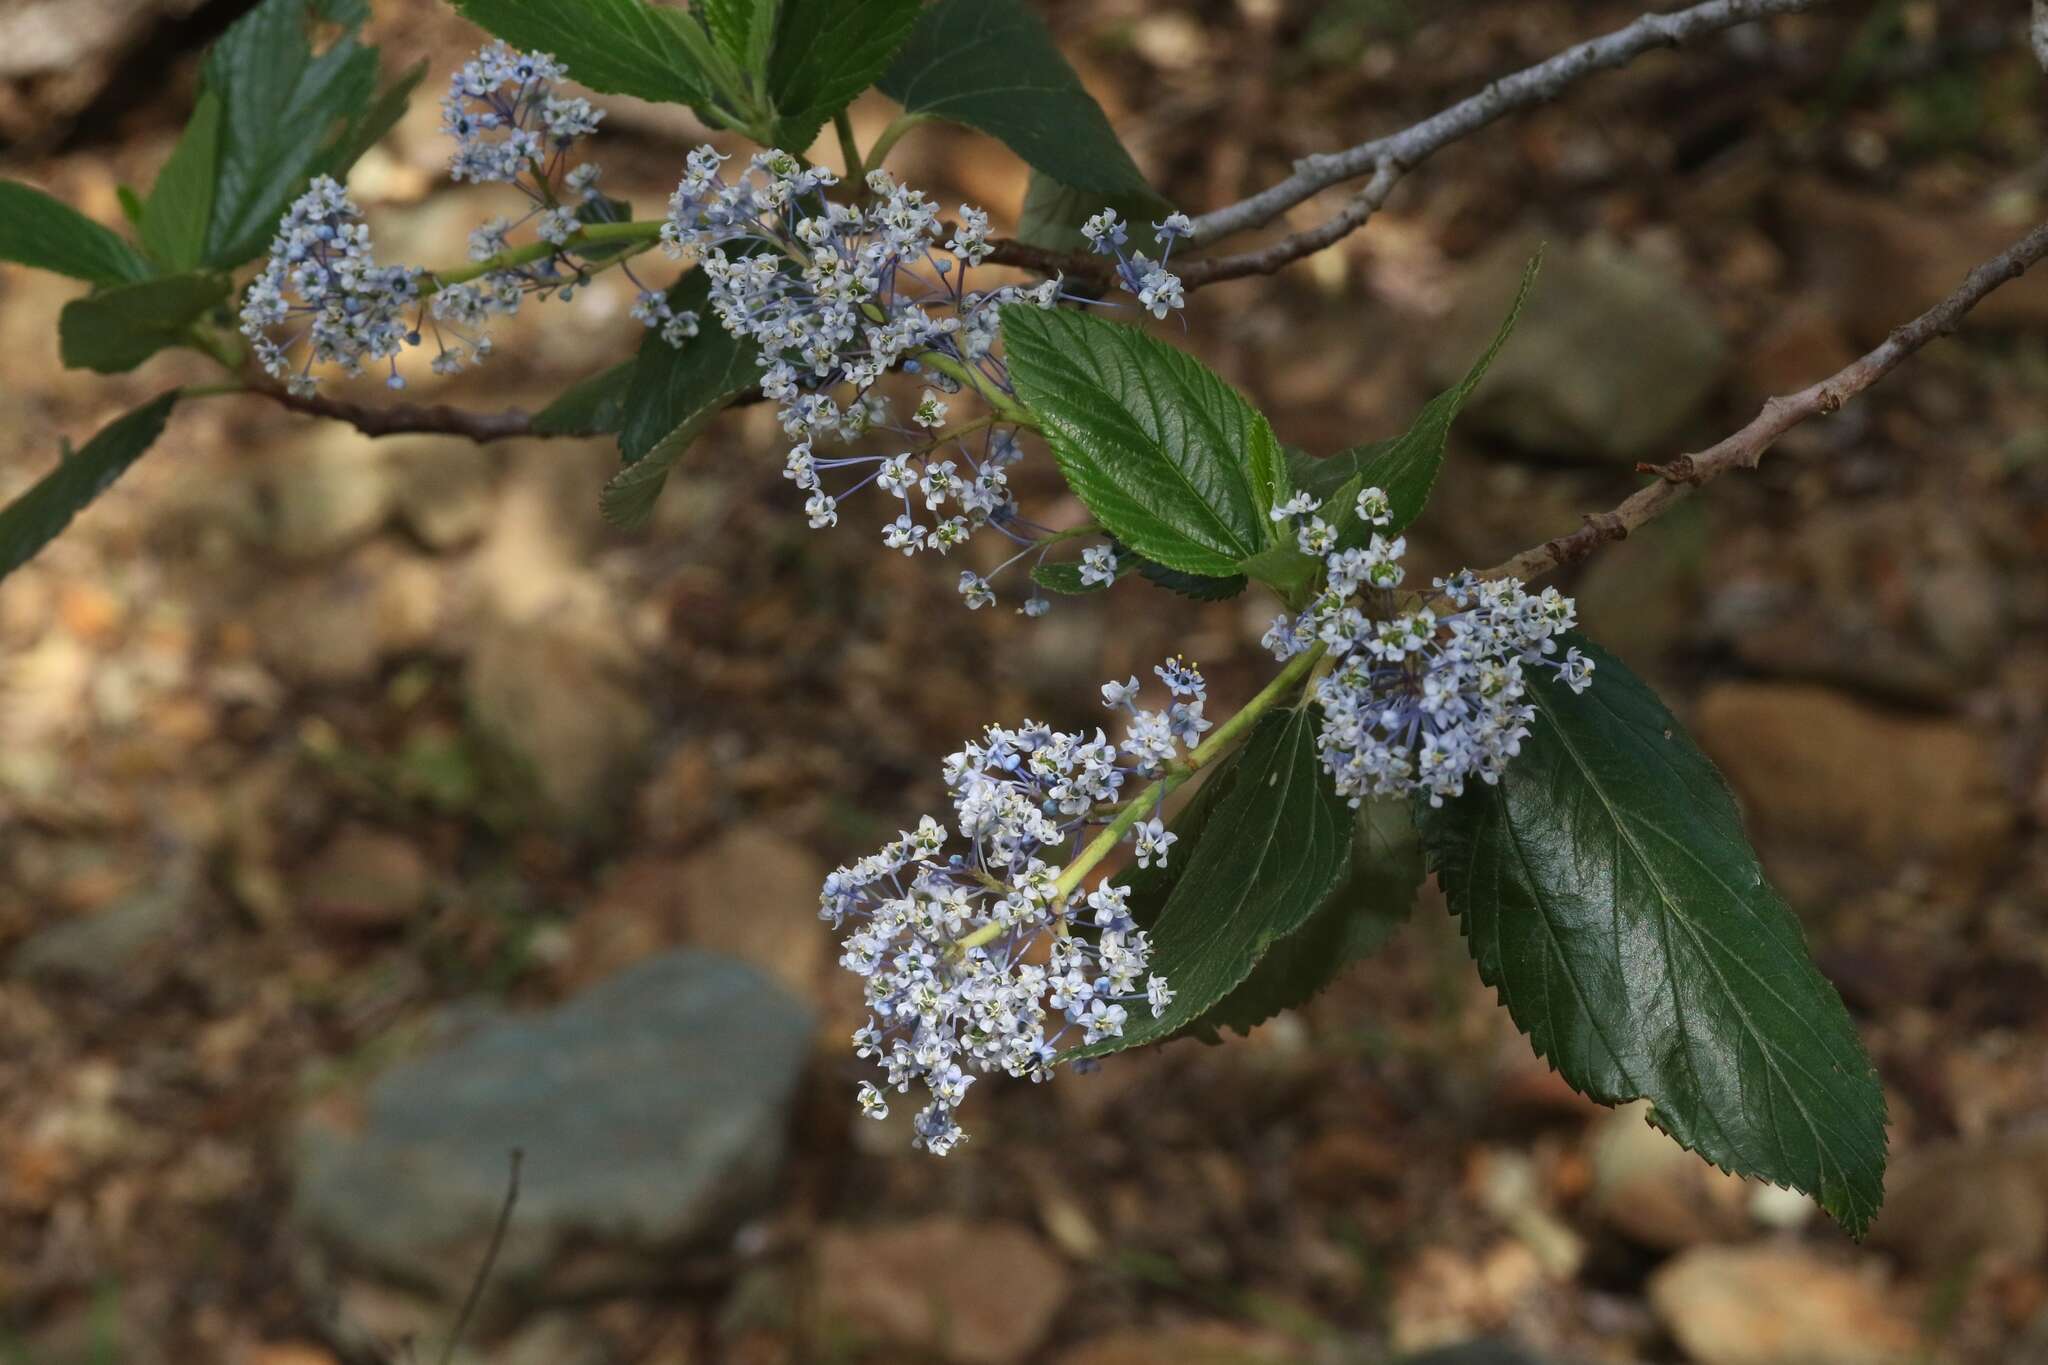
[1198, 587]
[114, 330]
[1282, 567]
[826, 53]
[623, 47]
[672, 394]
[1406, 465]
[281, 107]
[594, 407]
[33, 520]
[1607, 892]
[1264, 854]
[1354, 921]
[991, 65]
[1065, 577]
[1053, 213]
[181, 203]
[743, 29]
[671, 384]
[1171, 460]
[369, 126]
[36, 230]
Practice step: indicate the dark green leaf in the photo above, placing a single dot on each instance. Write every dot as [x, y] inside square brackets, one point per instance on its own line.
[1607, 892]
[281, 104]
[827, 52]
[1282, 567]
[1053, 213]
[1199, 587]
[744, 30]
[33, 520]
[368, 128]
[624, 47]
[671, 396]
[131, 205]
[49, 234]
[672, 384]
[181, 203]
[1171, 460]
[1265, 854]
[991, 65]
[116, 329]
[1354, 921]
[1406, 465]
[603, 209]
[594, 407]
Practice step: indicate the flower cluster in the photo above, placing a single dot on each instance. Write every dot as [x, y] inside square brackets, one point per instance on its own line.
[837, 295]
[989, 958]
[322, 278]
[1418, 700]
[1158, 289]
[508, 123]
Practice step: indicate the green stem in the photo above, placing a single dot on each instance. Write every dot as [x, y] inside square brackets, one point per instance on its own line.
[596, 234]
[1006, 407]
[1220, 741]
[849, 149]
[884, 144]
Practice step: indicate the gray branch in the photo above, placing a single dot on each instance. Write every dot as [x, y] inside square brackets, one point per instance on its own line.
[1396, 153]
[2039, 32]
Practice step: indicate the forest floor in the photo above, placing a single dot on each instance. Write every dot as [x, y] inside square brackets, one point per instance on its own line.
[309, 743]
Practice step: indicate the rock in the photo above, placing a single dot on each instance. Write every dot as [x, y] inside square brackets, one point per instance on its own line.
[562, 694]
[442, 488]
[1968, 1203]
[1208, 1343]
[651, 1111]
[325, 493]
[979, 1293]
[1611, 359]
[1778, 1306]
[341, 623]
[1657, 1193]
[365, 878]
[1850, 239]
[1812, 764]
[110, 946]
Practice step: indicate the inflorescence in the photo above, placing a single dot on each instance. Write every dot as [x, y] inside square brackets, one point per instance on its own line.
[1418, 700]
[836, 295]
[989, 959]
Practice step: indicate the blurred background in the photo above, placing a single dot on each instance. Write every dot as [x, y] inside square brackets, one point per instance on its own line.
[370, 808]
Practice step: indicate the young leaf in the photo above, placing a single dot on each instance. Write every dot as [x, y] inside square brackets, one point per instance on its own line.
[593, 407]
[827, 52]
[1065, 576]
[991, 65]
[36, 230]
[1608, 894]
[1405, 465]
[743, 29]
[114, 330]
[1171, 460]
[33, 520]
[1271, 847]
[623, 47]
[181, 202]
[1354, 921]
[671, 384]
[281, 104]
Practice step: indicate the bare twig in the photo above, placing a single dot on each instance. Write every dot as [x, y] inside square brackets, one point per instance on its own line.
[490, 1261]
[1745, 449]
[402, 418]
[1387, 159]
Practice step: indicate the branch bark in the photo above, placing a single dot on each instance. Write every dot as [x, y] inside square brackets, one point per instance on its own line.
[1745, 449]
[404, 418]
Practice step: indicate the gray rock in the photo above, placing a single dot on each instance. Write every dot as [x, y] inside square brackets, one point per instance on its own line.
[650, 1111]
[1612, 356]
[110, 945]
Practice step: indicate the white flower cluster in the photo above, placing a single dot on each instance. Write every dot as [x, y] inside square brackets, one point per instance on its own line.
[1418, 701]
[509, 125]
[983, 960]
[321, 276]
[1158, 289]
[837, 295]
